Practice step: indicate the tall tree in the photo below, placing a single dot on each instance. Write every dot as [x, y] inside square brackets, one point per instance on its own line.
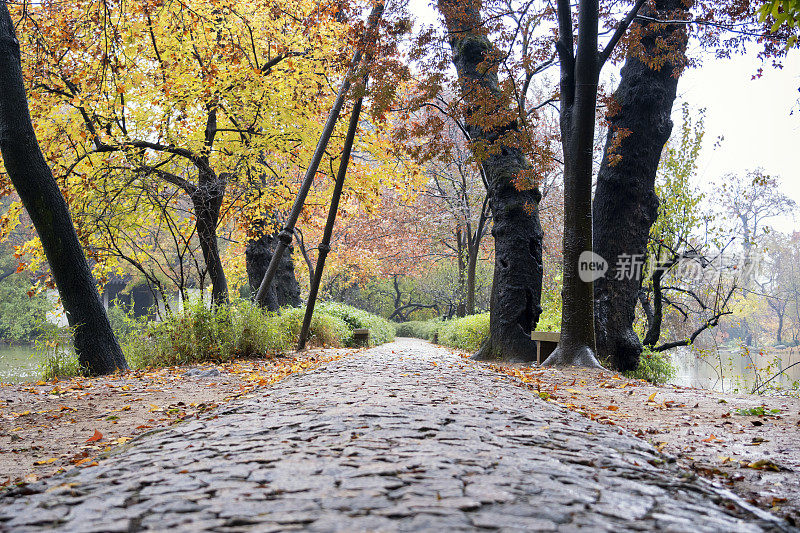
[97, 348]
[580, 71]
[625, 203]
[205, 99]
[517, 232]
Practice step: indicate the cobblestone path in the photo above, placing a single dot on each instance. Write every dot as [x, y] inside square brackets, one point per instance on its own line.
[404, 437]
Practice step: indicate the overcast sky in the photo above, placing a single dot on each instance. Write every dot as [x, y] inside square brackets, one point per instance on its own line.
[759, 120]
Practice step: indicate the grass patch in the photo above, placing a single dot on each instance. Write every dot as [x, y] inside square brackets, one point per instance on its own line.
[54, 347]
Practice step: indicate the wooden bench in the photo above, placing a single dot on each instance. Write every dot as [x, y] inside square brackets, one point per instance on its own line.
[360, 337]
[546, 342]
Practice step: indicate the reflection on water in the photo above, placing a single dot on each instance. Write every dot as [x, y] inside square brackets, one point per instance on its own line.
[730, 370]
[18, 364]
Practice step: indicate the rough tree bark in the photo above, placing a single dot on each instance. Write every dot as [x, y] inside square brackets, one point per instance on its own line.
[207, 201]
[625, 202]
[285, 291]
[517, 287]
[97, 348]
[580, 71]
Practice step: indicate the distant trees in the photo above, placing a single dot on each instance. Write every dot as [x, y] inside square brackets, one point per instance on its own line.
[22, 310]
[751, 200]
[456, 190]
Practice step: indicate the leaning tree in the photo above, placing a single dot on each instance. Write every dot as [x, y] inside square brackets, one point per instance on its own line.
[97, 348]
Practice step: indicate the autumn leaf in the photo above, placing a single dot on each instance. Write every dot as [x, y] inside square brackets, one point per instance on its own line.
[96, 437]
[764, 464]
[613, 407]
[652, 397]
[46, 461]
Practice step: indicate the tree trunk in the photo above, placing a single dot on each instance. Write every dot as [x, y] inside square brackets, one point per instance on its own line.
[654, 323]
[517, 287]
[207, 201]
[285, 290]
[462, 273]
[625, 202]
[474, 250]
[579, 78]
[471, 266]
[97, 348]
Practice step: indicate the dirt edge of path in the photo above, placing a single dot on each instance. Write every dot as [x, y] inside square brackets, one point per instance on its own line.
[48, 427]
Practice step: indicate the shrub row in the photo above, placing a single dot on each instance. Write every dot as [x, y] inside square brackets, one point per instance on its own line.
[465, 333]
[199, 334]
[469, 332]
[381, 330]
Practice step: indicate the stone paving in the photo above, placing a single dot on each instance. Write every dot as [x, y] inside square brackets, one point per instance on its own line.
[403, 437]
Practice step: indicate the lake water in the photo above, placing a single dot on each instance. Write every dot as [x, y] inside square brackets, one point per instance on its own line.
[735, 370]
[18, 364]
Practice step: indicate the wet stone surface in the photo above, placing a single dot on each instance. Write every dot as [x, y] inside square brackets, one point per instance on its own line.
[403, 437]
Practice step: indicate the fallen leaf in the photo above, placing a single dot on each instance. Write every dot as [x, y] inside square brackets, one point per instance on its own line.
[764, 464]
[652, 397]
[613, 407]
[96, 437]
[46, 461]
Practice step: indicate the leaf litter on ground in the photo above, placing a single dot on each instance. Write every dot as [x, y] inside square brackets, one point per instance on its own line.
[52, 426]
[760, 455]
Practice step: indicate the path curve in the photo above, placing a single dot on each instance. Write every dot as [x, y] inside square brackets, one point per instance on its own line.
[403, 437]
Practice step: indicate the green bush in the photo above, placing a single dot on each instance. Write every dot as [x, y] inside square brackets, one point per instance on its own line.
[420, 329]
[380, 329]
[465, 333]
[201, 334]
[655, 367]
[224, 333]
[54, 348]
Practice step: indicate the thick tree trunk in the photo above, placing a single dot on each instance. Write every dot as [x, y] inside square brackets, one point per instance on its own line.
[97, 348]
[207, 200]
[579, 78]
[625, 202]
[517, 287]
[285, 290]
